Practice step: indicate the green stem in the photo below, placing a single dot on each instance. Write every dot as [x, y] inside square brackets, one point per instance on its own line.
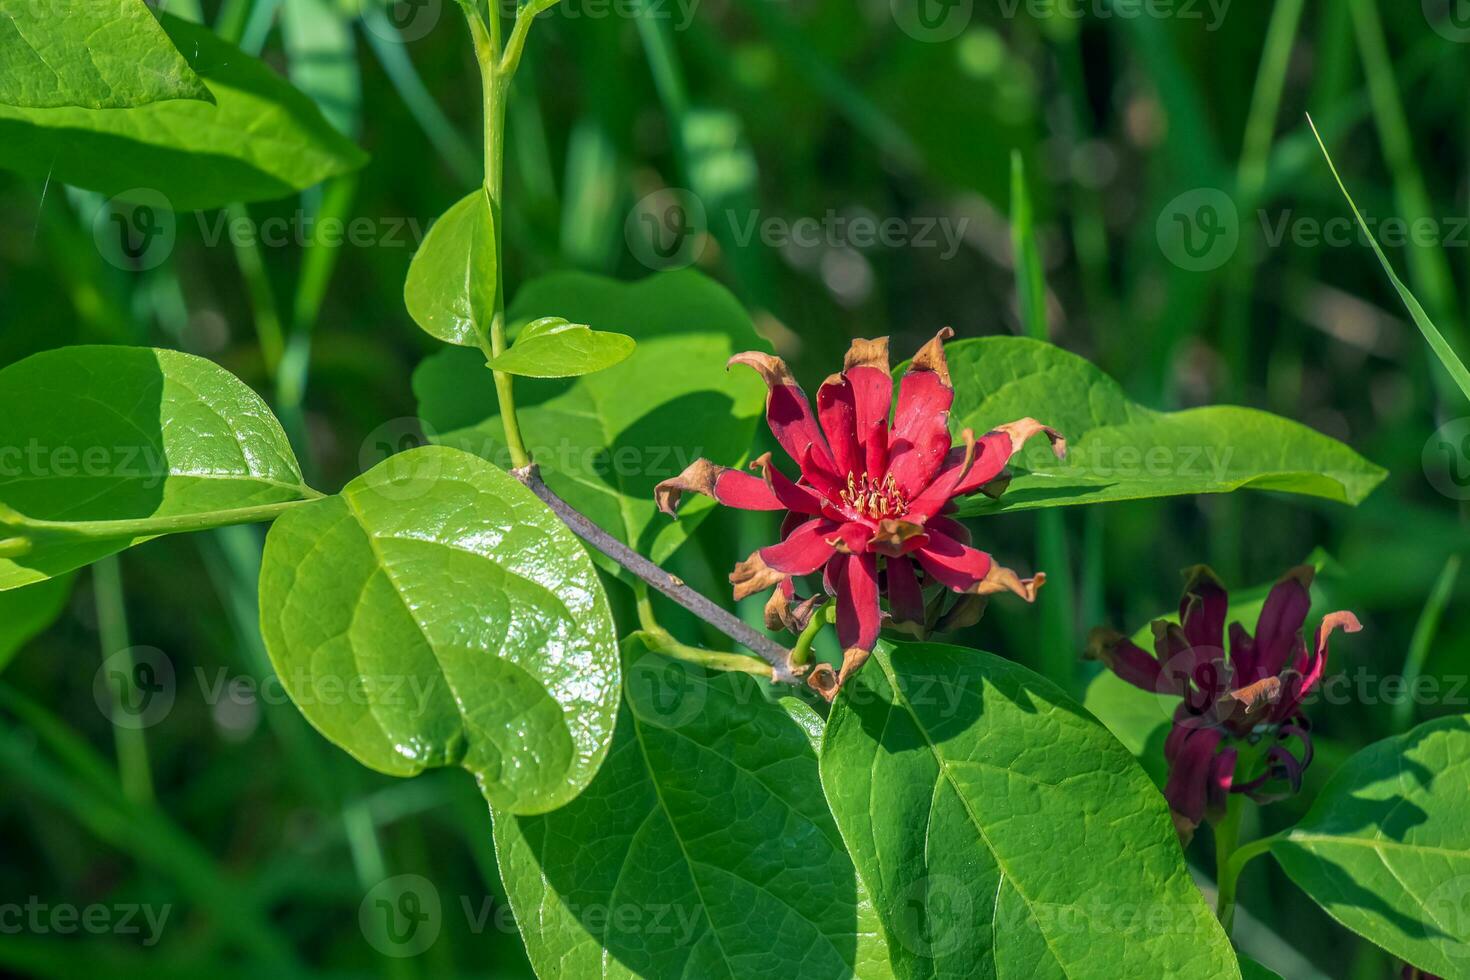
[802, 652]
[112, 630]
[660, 640]
[1227, 874]
[151, 526]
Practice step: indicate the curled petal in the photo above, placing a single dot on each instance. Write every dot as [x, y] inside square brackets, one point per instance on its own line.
[851, 538]
[791, 496]
[894, 538]
[1204, 607]
[804, 551]
[996, 449]
[867, 353]
[1299, 685]
[1022, 431]
[785, 610]
[858, 617]
[1125, 658]
[788, 412]
[1280, 624]
[931, 356]
[1245, 707]
[827, 682]
[905, 596]
[1002, 579]
[729, 486]
[753, 575]
[954, 565]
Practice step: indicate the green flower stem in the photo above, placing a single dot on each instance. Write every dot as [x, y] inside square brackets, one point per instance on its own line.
[134, 772]
[1228, 873]
[660, 640]
[821, 616]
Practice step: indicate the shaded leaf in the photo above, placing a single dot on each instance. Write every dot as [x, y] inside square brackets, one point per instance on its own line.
[103, 447]
[263, 139]
[604, 440]
[1385, 849]
[1120, 450]
[553, 348]
[26, 613]
[92, 55]
[703, 848]
[461, 618]
[1003, 832]
[452, 280]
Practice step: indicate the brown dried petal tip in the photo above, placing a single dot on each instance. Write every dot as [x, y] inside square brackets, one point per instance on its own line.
[1002, 579]
[772, 369]
[698, 477]
[827, 682]
[867, 353]
[753, 575]
[1022, 431]
[931, 356]
[891, 534]
[784, 614]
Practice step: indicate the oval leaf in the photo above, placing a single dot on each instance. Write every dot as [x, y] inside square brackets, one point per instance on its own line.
[435, 613]
[452, 281]
[553, 348]
[1385, 849]
[103, 447]
[1003, 832]
[702, 849]
[96, 56]
[604, 440]
[1120, 450]
[263, 139]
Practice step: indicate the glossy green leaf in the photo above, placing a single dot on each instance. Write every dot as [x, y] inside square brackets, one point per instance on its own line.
[1003, 832]
[103, 447]
[1120, 450]
[25, 613]
[1251, 970]
[461, 618]
[452, 281]
[702, 849]
[1385, 848]
[262, 139]
[89, 54]
[603, 441]
[553, 348]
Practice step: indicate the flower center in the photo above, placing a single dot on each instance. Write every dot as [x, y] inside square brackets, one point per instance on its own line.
[874, 499]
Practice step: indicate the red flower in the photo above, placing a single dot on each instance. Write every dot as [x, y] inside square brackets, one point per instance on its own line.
[869, 509]
[1242, 709]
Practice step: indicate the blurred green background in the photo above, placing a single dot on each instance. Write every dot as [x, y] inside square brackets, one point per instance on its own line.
[1185, 220]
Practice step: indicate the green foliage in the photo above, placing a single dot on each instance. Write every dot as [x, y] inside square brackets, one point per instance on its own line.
[702, 849]
[1003, 831]
[553, 348]
[465, 613]
[1120, 450]
[24, 613]
[603, 441]
[1385, 849]
[103, 447]
[57, 53]
[453, 281]
[260, 139]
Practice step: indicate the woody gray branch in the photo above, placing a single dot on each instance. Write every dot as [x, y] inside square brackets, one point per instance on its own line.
[669, 585]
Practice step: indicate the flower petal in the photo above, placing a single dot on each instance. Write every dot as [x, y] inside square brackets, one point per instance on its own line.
[866, 370]
[851, 537]
[905, 597]
[1125, 658]
[788, 412]
[791, 496]
[730, 487]
[1300, 683]
[753, 575]
[1189, 775]
[997, 448]
[804, 551]
[837, 412]
[953, 565]
[1281, 621]
[894, 538]
[858, 616]
[920, 437]
[1204, 608]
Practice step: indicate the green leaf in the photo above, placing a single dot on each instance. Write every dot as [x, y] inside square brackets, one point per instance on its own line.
[452, 280]
[1003, 832]
[603, 441]
[104, 447]
[263, 139]
[553, 348]
[462, 619]
[93, 55]
[702, 849]
[27, 612]
[1119, 450]
[1437, 343]
[1251, 970]
[1385, 849]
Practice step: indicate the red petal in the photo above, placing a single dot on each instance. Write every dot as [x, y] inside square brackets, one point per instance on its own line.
[905, 598]
[791, 496]
[1280, 623]
[837, 410]
[1299, 685]
[920, 437]
[1125, 658]
[787, 411]
[999, 446]
[851, 537]
[951, 527]
[805, 551]
[954, 565]
[1189, 776]
[857, 602]
[730, 487]
[943, 486]
[872, 390]
[1203, 609]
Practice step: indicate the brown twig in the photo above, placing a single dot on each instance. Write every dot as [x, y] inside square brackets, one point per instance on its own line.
[768, 649]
